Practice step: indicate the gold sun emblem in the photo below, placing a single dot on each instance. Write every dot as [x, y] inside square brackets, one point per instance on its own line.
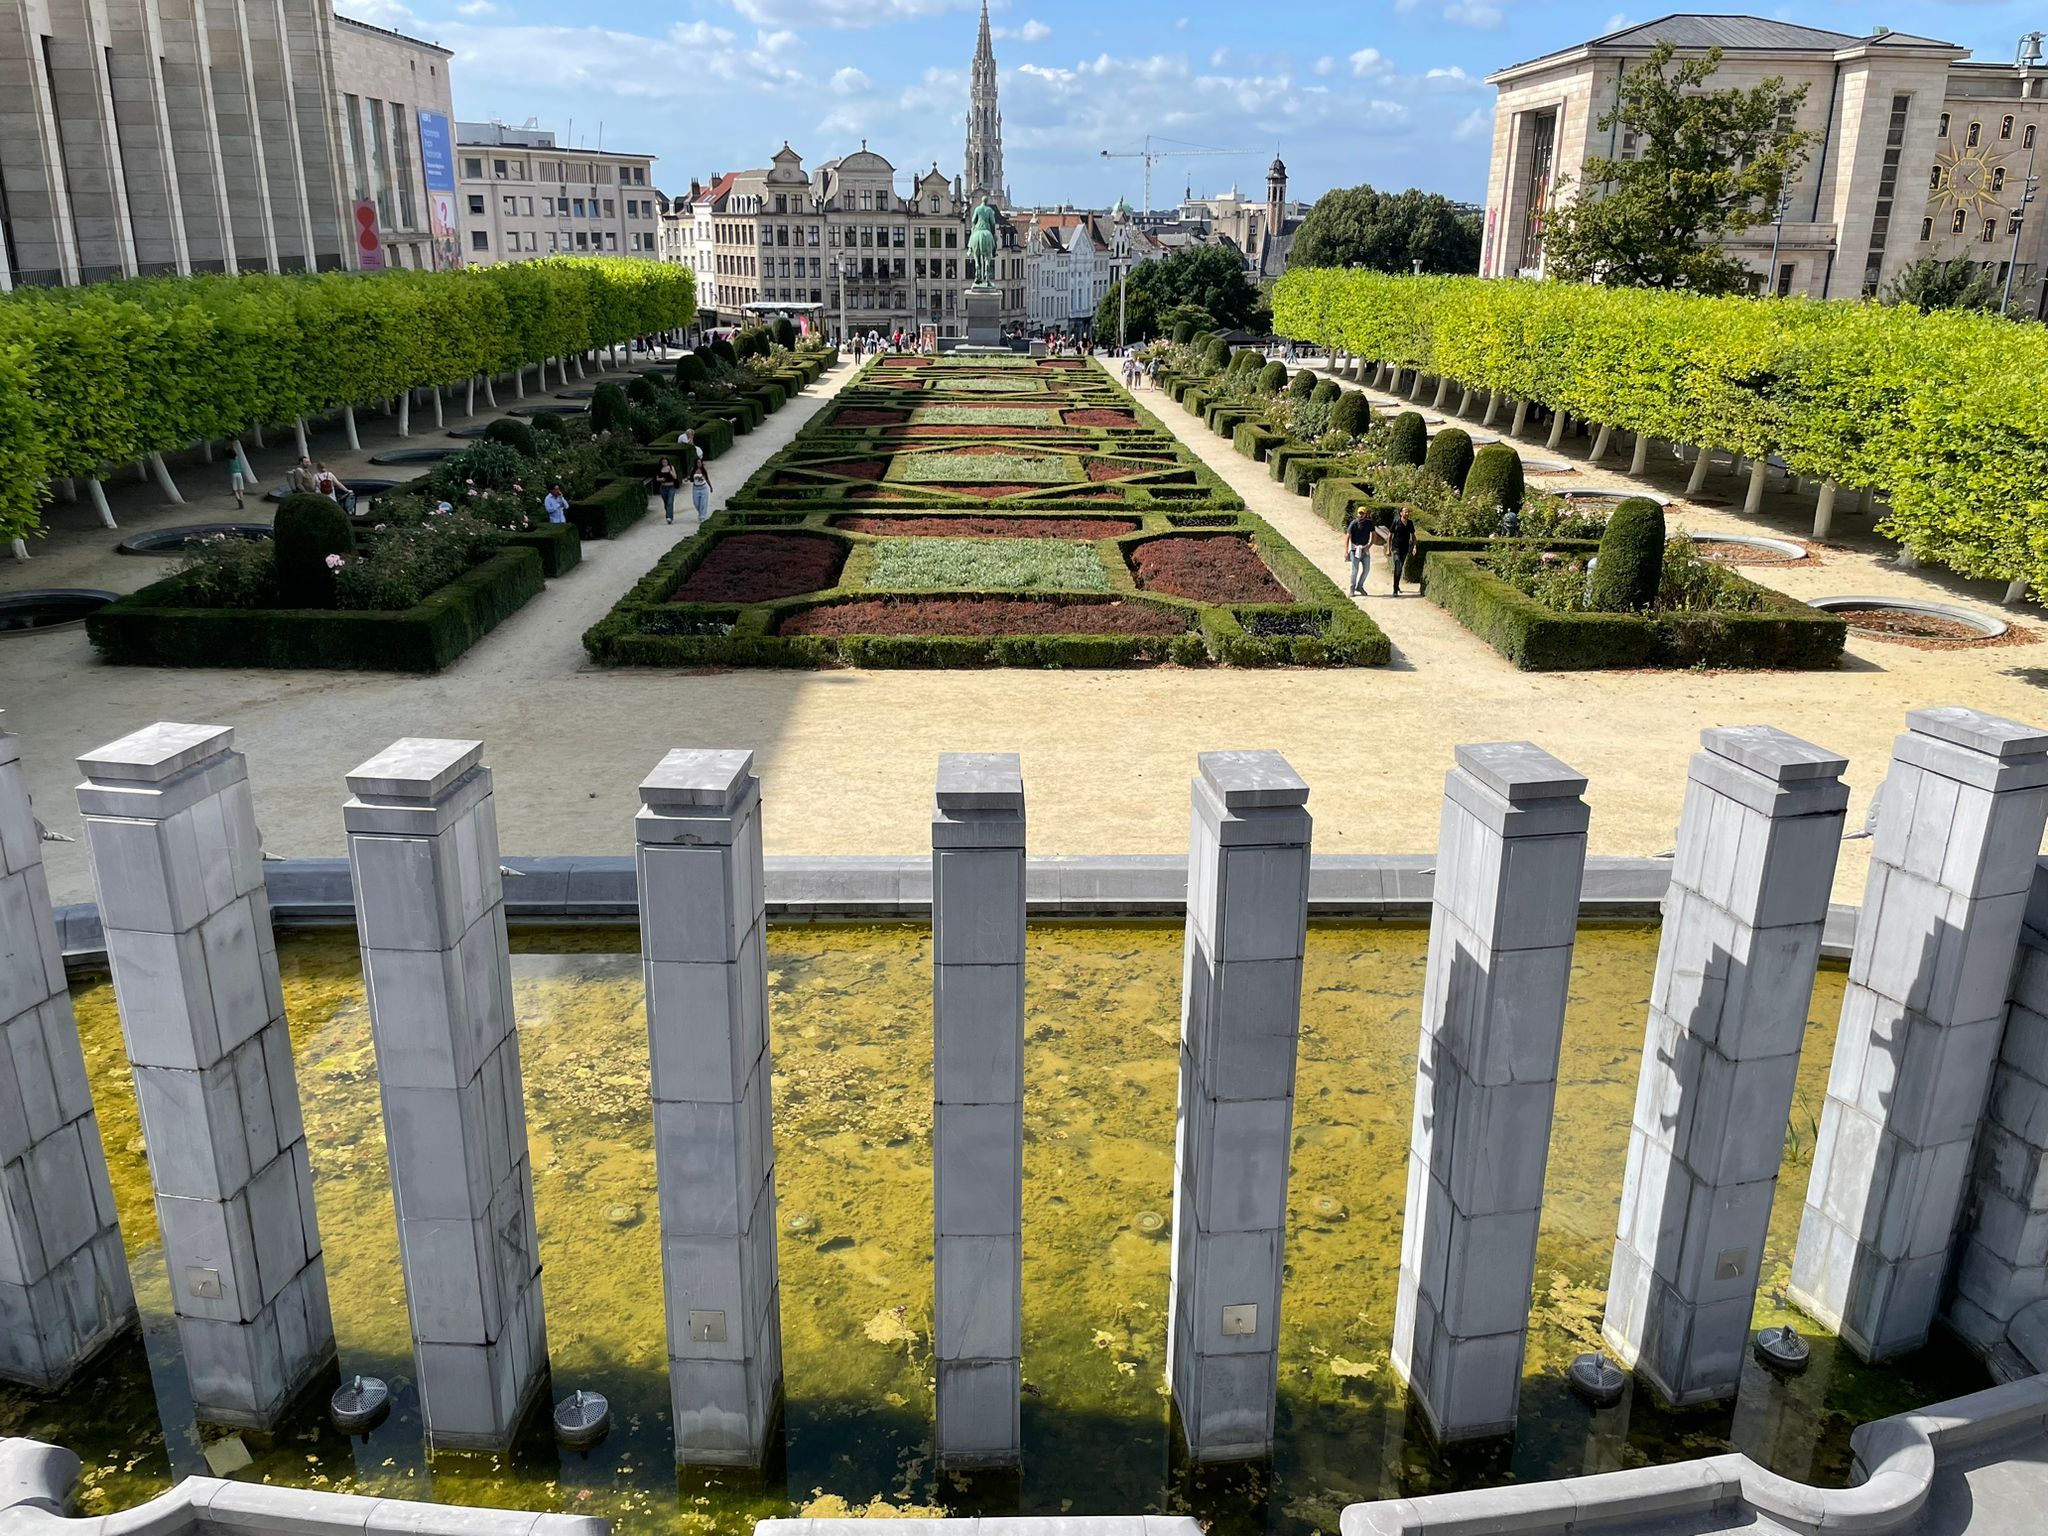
[1971, 179]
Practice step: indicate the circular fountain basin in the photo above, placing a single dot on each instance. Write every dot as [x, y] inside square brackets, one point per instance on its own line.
[1982, 626]
[364, 489]
[1609, 493]
[574, 394]
[410, 456]
[470, 433]
[535, 410]
[172, 541]
[1783, 548]
[39, 609]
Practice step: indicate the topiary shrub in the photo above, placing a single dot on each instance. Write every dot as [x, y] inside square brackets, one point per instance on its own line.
[1215, 352]
[1183, 333]
[1351, 415]
[514, 434]
[1408, 441]
[642, 390]
[1245, 360]
[1325, 392]
[722, 349]
[550, 424]
[1301, 385]
[1449, 457]
[1272, 378]
[690, 370]
[308, 529]
[1496, 478]
[609, 409]
[1631, 562]
[784, 332]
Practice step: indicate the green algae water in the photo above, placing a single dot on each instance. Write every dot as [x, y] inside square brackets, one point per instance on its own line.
[852, 1046]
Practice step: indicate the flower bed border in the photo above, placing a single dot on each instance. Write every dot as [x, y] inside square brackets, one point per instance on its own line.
[148, 628]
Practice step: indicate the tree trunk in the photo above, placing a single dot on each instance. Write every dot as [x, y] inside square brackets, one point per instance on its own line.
[98, 493]
[1824, 510]
[256, 432]
[469, 401]
[1862, 500]
[1640, 459]
[164, 482]
[405, 414]
[142, 471]
[1557, 429]
[1443, 390]
[67, 488]
[1600, 444]
[21, 549]
[1702, 458]
[348, 421]
[1521, 418]
[2015, 590]
[439, 420]
[1754, 501]
[1464, 399]
[299, 428]
[579, 370]
[1492, 408]
[206, 451]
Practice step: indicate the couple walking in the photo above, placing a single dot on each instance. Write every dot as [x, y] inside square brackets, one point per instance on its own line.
[687, 464]
[1361, 533]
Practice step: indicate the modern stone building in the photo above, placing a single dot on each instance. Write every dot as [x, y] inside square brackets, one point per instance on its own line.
[1917, 151]
[149, 138]
[395, 105]
[523, 196]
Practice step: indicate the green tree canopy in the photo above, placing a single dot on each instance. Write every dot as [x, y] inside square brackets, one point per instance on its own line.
[1208, 277]
[1932, 283]
[1703, 162]
[1387, 232]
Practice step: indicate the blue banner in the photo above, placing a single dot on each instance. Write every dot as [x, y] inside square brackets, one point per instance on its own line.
[437, 170]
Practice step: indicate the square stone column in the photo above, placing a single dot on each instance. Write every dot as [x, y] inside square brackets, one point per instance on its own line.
[978, 1106]
[1958, 828]
[1511, 851]
[64, 1288]
[703, 943]
[430, 917]
[1247, 919]
[1757, 844]
[178, 867]
[2002, 1253]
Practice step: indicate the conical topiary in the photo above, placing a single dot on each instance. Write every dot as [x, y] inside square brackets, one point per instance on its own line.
[1301, 385]
[1449, 457]
[1496, 478]
[690, 370]
[609, 409]
[1631, 561]
[1351, 415]
[1183, 332]
[307, 530]
[1215, 352]
[1408, 441]
[1325, 392]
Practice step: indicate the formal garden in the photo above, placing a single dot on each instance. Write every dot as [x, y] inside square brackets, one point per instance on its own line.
[420, 573]
[985, 511]
[1554, 584]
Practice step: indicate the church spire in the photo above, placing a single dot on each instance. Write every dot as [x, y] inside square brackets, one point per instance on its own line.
[984, 168]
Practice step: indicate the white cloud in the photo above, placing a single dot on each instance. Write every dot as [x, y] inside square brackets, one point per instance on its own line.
[1476, 124]
[1619, 21]
[1030, 32]
[1370, 63]
[1477, 14]
[1180, 24]
[849, 80]
[392, 14]
[1219, 58]
[845, 13]
[1326, 65]
[476, 8]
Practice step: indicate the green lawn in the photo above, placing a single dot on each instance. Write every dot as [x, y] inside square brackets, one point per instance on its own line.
[1018, 565]
[979, 467]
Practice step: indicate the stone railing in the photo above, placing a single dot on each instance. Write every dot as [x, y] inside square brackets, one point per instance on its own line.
[36, 1482]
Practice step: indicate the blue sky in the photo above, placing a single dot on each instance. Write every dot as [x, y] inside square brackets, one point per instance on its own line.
[1386, 91]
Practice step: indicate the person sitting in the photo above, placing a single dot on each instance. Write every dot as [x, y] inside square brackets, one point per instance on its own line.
[327, 483]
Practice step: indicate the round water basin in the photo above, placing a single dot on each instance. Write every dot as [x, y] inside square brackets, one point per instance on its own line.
[364, 488]
[172, 541]
[574, 394]
[535, 410]
[410, 456]
[1775, 549]
[1608, 493]
[470, 433]
[44, 608]
[1904, 618]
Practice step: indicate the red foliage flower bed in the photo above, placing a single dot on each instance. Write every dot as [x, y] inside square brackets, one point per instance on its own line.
[757, 567]
[1099, 417]
[988, 492]
[976, 429]
[857, 469]
[982, 616]
[857, 417]
[970, 526]
[1217, 569]
[1118, 469]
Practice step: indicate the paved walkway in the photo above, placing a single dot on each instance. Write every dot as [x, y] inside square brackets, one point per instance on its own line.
[847, 757]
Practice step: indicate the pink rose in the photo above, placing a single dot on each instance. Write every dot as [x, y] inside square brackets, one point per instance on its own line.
[334, 562]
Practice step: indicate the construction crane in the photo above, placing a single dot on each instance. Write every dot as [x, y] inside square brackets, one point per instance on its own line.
[1152, 156]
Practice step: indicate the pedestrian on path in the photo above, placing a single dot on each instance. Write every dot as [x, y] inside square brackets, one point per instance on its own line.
[556, 503]
[666, 481]
[700, 488]
[1360, 534]
[239, 476]
[1400, 540]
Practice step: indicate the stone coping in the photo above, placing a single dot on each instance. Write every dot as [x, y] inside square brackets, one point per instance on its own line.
[552, 892]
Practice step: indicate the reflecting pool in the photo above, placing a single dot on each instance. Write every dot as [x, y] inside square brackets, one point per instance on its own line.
[852, 1041]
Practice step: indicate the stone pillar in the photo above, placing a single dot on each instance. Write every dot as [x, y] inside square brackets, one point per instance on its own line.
[1511, 851]
[1247, 917]
[1757, 843]
[64, 1288]
[703, 936]
[1958, 827]
[430, 916]
[978, 1105]
[178, 867]
[2002, 1258]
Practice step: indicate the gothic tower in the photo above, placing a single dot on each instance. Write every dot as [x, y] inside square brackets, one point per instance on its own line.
[984, 170]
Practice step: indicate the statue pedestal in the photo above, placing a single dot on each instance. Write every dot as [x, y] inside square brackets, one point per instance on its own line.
[985, 318]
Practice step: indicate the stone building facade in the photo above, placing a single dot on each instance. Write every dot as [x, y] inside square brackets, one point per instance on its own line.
[150, 138]
[523, 196]
[1917, 152]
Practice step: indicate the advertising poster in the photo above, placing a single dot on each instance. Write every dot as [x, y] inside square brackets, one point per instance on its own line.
[437, 168]
[369, 241]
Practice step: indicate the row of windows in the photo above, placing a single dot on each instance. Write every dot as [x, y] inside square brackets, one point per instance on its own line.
[513, 168]
[869, 200]
[1959, 221]
[1975, 133]
[564, 207]
[563, 240]
[850, 237]
[1939, 179]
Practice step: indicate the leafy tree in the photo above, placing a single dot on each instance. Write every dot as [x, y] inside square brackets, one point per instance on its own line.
[1210, 278]
[1931, 283]
[1387, 232]
[1707, 162]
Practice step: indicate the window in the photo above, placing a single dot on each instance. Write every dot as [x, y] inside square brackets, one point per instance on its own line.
[811, 239]
[476, 203]
[479, 241]
[952, 239]
[611, 241]
[610, 208]
[578, 204]
[511, 204]
[1927, 229]
[1998, 178]
[917, 237]
[1935, 178]
[2005, 126]
[1942, 131]
[529, 206]
[1990, 231]
[474, 169]
[582, 240]
[2027, 138]
[554, 241]
[498, 169]
[547, 206]
[896, 237]
[1956, 224]
[1887, 186]
[1976, 135]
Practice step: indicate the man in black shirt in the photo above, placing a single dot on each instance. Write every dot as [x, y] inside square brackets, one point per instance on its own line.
[1400, 541]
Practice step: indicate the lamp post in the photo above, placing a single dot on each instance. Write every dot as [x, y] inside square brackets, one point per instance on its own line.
[1123, 282]
[1777, 236]
[839, 271]
[2019, 219]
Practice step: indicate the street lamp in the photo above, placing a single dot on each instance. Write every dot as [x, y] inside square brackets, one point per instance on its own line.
[839, 271]
[1777, 236]
[1123, 261]
[2019, 219]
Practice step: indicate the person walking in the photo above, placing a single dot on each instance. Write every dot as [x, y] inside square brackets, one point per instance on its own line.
[1400, 541]
[700, 487]
[1360, 534]
[666, 481]
[556, 503]
[239, 476]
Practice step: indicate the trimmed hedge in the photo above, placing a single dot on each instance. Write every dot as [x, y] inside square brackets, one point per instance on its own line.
[1536, 638]
[1255, 441]
[610, 510]
[148, 628]
[559, 546]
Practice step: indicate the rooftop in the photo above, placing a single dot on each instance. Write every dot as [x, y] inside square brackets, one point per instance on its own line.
[397, 37]
[1736, 34]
